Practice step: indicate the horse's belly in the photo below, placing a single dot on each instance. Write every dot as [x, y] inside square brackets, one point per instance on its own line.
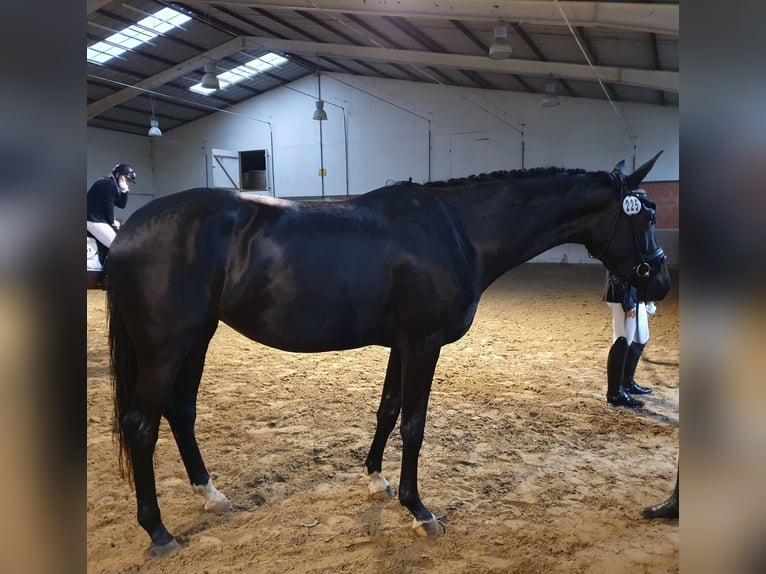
[314, 326]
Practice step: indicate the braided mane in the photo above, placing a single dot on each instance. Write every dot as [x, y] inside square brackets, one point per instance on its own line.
[503, 175]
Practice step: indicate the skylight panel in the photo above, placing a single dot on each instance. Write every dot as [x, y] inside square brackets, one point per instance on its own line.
[136, 34]
[243, 72]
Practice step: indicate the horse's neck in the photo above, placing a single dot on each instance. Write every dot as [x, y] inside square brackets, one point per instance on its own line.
[511, 226]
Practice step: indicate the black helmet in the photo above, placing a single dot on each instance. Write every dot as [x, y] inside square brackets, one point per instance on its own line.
[126, 170]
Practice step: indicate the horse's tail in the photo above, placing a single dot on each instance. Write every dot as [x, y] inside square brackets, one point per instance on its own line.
[122, 355]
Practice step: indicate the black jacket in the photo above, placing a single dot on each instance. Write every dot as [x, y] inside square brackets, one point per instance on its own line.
[103, 196]
[620, 292]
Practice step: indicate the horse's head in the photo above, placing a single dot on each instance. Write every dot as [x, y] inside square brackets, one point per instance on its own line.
[627, 244]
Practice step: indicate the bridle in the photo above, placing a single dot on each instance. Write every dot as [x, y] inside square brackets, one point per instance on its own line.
[648, 261]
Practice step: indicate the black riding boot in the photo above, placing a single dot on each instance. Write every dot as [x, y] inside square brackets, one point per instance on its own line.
[634, 353]
[667, 509]
[615, 368]
[103, 255]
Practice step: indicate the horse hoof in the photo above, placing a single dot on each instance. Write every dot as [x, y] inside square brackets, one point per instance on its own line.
[215, 500]
[380, 488]
[157, 550]
[428, 529]
[218, 506]
[383, 495]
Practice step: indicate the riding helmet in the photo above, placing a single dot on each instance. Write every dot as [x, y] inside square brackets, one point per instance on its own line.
[126, 170]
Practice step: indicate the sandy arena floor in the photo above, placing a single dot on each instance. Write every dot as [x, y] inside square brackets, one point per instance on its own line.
[527, 465]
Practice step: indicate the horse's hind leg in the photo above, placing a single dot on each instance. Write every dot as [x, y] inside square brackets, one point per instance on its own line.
[140, 427]
[181, 414]
[388, 412]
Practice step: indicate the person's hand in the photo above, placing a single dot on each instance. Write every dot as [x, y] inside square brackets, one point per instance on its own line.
[631, 313]
[651, 308]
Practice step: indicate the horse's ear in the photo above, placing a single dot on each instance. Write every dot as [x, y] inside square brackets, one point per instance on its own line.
[635, 178]
[619, 169]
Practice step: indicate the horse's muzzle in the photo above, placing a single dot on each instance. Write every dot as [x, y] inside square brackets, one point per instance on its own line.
[656, 285]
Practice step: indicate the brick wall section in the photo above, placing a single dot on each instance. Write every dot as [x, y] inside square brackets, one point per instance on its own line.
[665, 195]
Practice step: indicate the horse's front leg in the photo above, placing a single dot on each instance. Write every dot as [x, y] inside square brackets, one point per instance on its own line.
[419, 359]
[181, 413]
[388, 412]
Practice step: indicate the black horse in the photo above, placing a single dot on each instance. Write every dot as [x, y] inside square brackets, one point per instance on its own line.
[403, 267]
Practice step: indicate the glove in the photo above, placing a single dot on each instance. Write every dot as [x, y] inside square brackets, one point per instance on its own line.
[651, 308]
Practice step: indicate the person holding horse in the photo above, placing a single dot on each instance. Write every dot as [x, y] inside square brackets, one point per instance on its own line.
[666, 509]
[630, 330]
[103, 196]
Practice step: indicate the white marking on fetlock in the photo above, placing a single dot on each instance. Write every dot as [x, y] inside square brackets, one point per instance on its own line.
[380, 488]
[215, 501]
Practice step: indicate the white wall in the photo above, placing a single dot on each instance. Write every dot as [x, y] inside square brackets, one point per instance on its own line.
[390, 125]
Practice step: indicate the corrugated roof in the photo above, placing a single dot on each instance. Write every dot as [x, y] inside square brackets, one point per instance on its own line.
[324, 35]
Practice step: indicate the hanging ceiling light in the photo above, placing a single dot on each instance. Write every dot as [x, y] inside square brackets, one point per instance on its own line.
[154, 125]
[154, 130]
[210, 80]
[550, 100]
[500, 49]
[319, 113]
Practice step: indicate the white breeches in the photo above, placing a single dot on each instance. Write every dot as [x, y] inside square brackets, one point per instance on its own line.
[102, 231]
[632, 328]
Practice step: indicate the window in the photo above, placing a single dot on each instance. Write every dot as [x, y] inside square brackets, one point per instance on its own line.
[243, 72]
[136, 34]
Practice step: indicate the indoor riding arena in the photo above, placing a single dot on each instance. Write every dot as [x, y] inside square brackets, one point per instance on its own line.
[528, 466]
[492, 163]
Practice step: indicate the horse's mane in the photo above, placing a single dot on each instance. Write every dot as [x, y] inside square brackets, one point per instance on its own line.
[503, 175]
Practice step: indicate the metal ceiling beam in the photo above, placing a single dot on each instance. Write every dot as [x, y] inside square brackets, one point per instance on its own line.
[588, 47]
[656, 56]
[654, 79]
[402, 25]
[539, 53]
[298, 30]
[166, 76]
[636, 16]
[430, 44]
[94, 5]
[390, 41]
[322, 24]
[485, 49]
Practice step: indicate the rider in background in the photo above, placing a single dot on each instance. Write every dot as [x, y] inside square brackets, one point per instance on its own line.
[103, 196]
[630, 330]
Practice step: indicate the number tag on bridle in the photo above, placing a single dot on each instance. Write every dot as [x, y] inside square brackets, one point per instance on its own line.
[631, 205]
